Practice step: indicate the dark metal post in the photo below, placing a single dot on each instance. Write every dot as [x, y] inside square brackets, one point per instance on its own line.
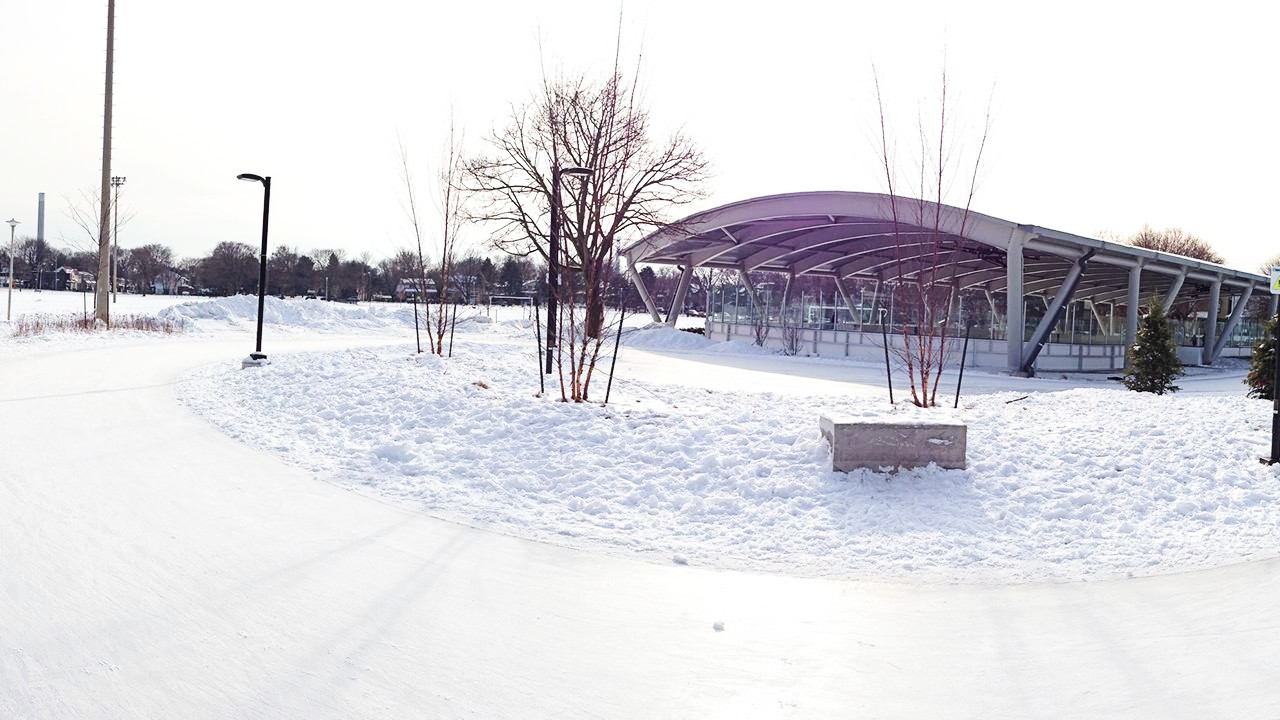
[417, 334]
[1275, 396]
[964, 352]
[553, 266]
[614, 363]
[537, 334]
[884, 336]
[453, 324]
[262, 263]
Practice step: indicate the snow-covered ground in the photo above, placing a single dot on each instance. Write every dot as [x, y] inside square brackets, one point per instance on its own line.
[204, 316]
[62, 302]
[151, 566]
[1068, 484]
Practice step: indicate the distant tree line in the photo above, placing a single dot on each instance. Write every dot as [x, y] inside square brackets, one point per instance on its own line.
[232, 268]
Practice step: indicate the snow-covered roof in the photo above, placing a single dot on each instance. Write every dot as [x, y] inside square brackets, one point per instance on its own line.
[876, 236]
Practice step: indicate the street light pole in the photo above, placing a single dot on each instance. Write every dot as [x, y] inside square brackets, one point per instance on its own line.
[116, 182]
[257, 357]
[1274, 457]
[13, 226]
[553, 256]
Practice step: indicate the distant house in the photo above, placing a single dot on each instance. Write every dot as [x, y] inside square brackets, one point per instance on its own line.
[65, 278]
[171, 283]
[464, 289]
[409, 288]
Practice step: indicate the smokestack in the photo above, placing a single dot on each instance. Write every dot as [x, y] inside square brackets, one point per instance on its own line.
[40, 220]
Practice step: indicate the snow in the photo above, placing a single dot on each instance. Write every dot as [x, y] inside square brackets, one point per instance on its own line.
[281, 317]
[151, 566]
[658, 336]
[65, 302]
[1065, 485]
[901, 414]
[241, 312]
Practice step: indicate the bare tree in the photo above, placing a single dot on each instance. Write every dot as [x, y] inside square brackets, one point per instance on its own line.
[146, 263]
[1176, 241]
[84, 213]
[634, 179]
[419, 269]
[451, 208]
[924, 291]
[87, 214]
[759, 329]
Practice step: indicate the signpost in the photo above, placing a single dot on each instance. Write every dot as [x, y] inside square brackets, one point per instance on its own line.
[1275, 378]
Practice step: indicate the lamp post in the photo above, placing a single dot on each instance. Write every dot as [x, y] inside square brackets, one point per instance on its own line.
[13, 226]
[257, 357]
[553, 255]
[116, 182]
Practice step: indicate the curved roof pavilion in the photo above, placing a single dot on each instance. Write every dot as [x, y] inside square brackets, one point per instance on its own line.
[872, 236]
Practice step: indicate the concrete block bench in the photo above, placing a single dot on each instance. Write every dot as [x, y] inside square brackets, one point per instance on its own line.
[879, 441]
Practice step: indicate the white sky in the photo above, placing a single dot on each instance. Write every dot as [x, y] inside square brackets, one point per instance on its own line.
[1107, 115]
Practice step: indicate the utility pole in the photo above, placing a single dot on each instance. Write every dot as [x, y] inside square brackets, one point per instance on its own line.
[102, 310]
[116, 182]
[13, 225]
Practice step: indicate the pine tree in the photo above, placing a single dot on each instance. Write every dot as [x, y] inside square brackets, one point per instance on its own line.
[1153, 360]
[1262, 366]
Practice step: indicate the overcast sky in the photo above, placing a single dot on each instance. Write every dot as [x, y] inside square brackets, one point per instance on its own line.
[1106, 115]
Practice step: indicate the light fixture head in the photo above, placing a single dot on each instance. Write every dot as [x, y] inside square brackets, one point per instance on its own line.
[250, 177]
[575, 171]
[13, 223]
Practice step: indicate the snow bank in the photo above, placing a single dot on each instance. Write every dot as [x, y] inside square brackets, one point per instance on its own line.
[658, 336]
[316, 315]
[240, 312]
[1061, 485]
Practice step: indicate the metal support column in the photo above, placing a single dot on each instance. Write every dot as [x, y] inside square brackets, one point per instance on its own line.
[751, 290]
[644, 292]
[1236, 313]
[843, 287]
[1097, 316]
[1014, 326]
[682, 289]
[1131, 312]
[1174, 289]
[1211, 323]
[1053, 314]
[786, 297]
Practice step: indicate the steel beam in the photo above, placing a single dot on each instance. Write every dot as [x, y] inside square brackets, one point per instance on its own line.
[1232, 321]
[1172, 294]
[1131, 312]
[814, 239]
[751, 290]
[644, 291]
[677, 303]
[1211, 323]
[869, 248]
[1013, 302]
[843, 287]
[786, 296]
[1053, 313]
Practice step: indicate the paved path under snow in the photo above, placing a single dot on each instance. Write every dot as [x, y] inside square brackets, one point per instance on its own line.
[151, 567]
